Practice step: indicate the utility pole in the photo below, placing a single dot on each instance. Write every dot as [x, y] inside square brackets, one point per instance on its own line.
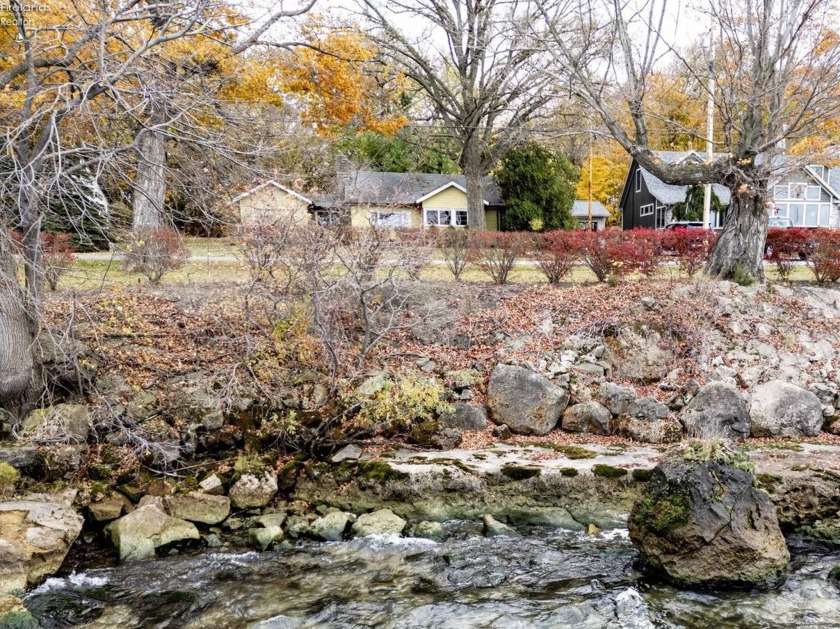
[710, 128]
[589, 211]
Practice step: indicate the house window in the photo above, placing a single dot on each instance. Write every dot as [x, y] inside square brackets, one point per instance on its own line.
[813, 193]
[780, 192]
[819, 171]
[796, 211]
[662, 212]
[638, 180]
[646, 210]
[781, 209]
[825, 215]
[812, 211]
[443, 218]
[797, 191]
[379, 218]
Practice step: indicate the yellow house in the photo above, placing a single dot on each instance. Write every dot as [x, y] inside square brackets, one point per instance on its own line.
[272, 203]
[374, 198]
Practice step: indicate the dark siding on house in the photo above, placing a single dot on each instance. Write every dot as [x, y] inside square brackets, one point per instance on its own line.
[632, 201]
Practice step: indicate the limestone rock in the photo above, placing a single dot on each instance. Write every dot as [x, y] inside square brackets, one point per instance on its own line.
[382, 522]
[198, 507]
[350, 452]
[253, 491]
[201, 409]
[18, 455]
[269, 529]
[494, 528]
[647, 408]
[638, 356]
[616, 398]
[332, 526]
[13, 614]
[525, 401]
[655, 431]
[700, 521]
[467, 417]
[139, 533]
[107, 509]
[779, 408]
[62, 422]
[34, 539]
[717, 411]
[588, 417]
[429, 530]
[212, 485]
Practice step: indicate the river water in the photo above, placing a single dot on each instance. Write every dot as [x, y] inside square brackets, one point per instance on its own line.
[547, 579]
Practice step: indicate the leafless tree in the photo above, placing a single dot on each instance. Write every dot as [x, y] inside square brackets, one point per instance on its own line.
[67, 108]
[777, 68]
[476, 64]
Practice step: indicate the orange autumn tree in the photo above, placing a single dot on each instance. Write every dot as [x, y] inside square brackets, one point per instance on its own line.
[609, 170]
[341, 81]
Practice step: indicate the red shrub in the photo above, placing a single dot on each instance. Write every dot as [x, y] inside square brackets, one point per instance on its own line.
[691, 246]
[609, 253]
[784, 246]
[496, 253]
[649, 249]
[154, 253]
[58, 256]
[556, 253]
[824, 258]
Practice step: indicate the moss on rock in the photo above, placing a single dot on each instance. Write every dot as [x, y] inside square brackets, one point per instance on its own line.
[608, 471]
[520, 472]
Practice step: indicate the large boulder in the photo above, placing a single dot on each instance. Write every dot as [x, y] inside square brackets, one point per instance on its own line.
[525, 401]
[617, 399]
[332, 526]
[467, 416]
[782, 409]
[702, 522]
[588, 417]
[253, 491]
[18, 455]
[648, 431]
[196, 506]
[139, 533]
[382, 522]
[62, 422]
[638, 355]
[718, 411]
[34, 539]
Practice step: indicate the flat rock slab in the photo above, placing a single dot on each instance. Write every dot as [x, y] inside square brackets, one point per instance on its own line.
[549, 486]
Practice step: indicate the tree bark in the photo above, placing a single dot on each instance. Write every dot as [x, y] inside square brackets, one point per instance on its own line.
[150, 182]
[741, 243]
[17, 365]
[472, 167]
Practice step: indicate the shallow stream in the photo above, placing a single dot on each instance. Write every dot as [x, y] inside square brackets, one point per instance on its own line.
[547, 579]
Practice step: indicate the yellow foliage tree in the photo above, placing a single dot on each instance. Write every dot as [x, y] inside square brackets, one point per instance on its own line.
[609, 170]
[341, 81]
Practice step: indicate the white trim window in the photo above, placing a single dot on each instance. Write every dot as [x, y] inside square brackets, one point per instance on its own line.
[780, 192]
[638, 180]
[445, 218]
[646, 210]
[813, 193]
[383, 218]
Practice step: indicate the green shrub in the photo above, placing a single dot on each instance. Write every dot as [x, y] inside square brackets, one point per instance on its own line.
[400, 404]
[9, 476]
[741, 276]
[249, 464]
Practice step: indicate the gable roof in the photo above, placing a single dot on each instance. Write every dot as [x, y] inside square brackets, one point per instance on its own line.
[668, 194]
[273, 183]
[580, 209]
[381, 188]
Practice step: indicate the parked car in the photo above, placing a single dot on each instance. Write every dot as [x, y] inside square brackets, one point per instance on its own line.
[780, 222]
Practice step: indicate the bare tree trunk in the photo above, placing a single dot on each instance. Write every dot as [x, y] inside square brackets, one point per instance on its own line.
[16, 334]
[150, 182]
[471, 165]
[741, 244]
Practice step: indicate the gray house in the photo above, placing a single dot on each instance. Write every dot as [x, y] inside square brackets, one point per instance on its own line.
[806, 194]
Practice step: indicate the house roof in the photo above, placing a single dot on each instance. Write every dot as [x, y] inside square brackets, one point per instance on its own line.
[668, 194]
[580, 209]
[367, 186]
[248, 193]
